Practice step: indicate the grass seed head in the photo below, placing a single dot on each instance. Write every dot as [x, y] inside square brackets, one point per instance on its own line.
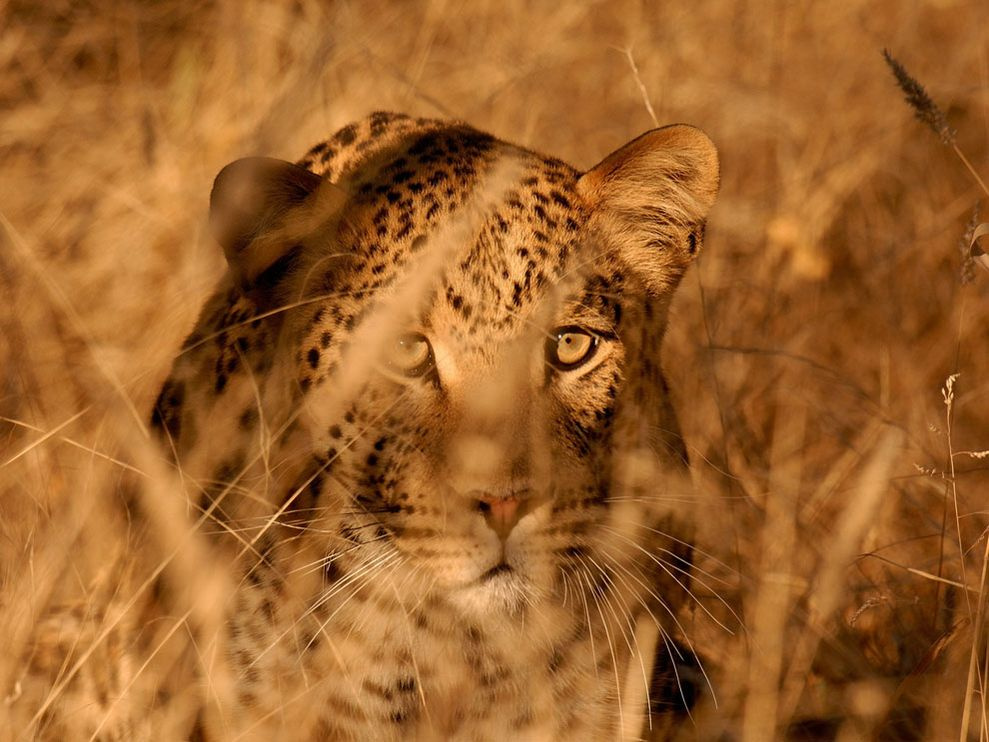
[918, 99]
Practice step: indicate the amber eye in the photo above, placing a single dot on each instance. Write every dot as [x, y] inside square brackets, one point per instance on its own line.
[570, 347]
[410, 354]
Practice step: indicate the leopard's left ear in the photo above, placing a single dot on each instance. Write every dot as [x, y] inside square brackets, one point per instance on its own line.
[261, 207]
[650, 198]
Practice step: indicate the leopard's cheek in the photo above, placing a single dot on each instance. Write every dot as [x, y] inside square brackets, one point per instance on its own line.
[584, 414]
[433, 527]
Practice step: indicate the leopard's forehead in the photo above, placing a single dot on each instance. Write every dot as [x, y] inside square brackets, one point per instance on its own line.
[507, 221]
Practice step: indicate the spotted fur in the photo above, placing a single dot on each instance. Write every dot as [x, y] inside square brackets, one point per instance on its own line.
[377, 600]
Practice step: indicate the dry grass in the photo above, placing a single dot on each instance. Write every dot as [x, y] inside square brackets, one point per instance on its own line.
[808, 351]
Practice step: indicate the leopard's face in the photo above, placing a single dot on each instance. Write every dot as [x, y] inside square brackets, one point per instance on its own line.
[477, 445]
[465, 346]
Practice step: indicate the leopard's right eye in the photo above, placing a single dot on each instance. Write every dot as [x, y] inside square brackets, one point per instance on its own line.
[570, 347]
[410, 355]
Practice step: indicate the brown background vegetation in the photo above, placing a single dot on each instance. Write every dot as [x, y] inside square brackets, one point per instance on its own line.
[807, 351]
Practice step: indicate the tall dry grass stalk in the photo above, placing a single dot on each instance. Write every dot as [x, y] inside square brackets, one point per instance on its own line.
[841, 592]
[928, 112]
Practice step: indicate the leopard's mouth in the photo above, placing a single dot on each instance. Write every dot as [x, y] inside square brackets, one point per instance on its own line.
[502, 568]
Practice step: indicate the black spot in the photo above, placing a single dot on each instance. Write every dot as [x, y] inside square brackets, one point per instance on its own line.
[692, 243]
[335, 431]
[346, 135]
[423, 144]
[517, 294]
[331, 572]
[248, 417]
[560, 199]
[602, 585]
[324, 340]
[221, 383]
[379, 122]
[313, 357]
[167, 414]
[316, 487]
[372, 460]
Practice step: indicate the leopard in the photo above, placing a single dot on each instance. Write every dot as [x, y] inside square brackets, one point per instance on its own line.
[424, 420]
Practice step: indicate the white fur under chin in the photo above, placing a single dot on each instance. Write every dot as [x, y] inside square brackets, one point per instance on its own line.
[503, 593]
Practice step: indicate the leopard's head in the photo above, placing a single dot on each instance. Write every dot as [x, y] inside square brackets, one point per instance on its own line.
[462, 345]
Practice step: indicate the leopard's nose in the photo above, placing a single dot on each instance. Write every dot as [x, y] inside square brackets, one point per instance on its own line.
[502, 512]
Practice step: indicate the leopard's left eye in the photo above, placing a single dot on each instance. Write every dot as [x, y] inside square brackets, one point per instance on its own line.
[570, 347]
[410, 354]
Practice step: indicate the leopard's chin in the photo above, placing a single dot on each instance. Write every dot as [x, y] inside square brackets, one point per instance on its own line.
[502, 589]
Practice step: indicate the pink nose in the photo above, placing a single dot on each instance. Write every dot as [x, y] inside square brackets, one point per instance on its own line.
[501, 513]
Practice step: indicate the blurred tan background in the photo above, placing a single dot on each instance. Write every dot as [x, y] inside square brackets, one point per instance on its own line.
[807, 351]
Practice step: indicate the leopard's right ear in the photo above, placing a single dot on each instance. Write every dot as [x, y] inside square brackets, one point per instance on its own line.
[650, 199]
[260, 209]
